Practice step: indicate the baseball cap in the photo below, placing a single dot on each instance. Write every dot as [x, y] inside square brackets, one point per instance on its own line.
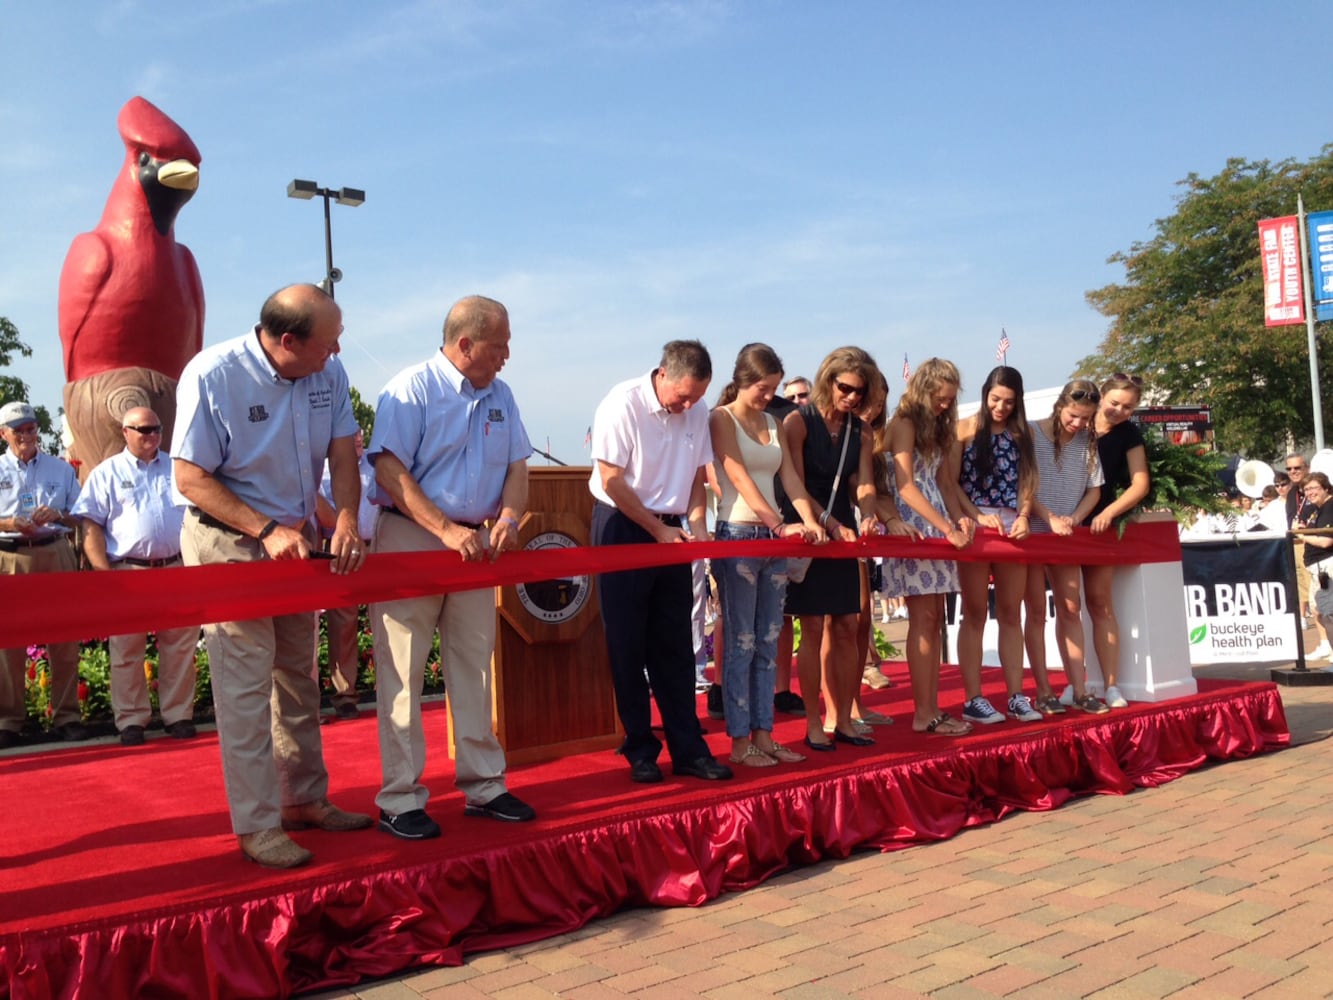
[17, 413]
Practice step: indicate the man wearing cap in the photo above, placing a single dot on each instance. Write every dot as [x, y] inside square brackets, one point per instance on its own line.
[37, 491]
[255, 419]
[131, 523]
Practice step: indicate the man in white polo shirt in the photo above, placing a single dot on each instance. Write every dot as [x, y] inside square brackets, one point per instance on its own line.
[131, 523]
[650, 445]
[255, 419]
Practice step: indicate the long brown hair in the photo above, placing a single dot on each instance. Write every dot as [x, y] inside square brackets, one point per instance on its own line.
[1080, 390]
[842, 361]
[983, 444]
[934, 431]
[754, 363]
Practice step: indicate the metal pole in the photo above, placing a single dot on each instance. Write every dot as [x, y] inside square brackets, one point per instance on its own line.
[1309, 330]
[328, 244]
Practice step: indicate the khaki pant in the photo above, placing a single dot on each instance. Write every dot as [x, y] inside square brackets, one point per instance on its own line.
[265, 697]
[175, 674]
[403, 631]
[58, 557]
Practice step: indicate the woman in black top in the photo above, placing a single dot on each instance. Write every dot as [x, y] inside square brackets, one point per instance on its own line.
[833, 475]
[1125, 465]
[1318, 513]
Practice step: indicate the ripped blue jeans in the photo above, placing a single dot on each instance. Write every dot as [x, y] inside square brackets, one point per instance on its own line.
[751, 592]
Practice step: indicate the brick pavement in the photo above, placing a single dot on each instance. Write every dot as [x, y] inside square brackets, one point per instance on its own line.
[1216, 885]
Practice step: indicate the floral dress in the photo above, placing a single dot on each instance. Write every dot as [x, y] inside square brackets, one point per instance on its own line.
[918, 577]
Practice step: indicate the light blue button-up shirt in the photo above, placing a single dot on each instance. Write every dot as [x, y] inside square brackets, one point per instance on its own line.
[46, 481]
[131, 499]
[367, 512]
[260, 435]
[456, 441]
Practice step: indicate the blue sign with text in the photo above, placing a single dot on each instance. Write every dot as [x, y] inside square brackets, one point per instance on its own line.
[1319, 228]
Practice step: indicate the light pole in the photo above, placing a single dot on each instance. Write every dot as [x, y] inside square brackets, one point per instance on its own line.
[305, 190]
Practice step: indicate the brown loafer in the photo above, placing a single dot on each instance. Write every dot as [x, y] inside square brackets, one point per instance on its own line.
[323, 816]
[273, 849]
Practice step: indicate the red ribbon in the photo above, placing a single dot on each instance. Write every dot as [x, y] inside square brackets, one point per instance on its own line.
[56, 607]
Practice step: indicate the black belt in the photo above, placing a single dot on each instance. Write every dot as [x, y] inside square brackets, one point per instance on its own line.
[467, 524]
[147, 563]
[14, 544]
[670, 520]
[208, 520]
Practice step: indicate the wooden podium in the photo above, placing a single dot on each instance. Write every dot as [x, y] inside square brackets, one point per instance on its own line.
[553, 692]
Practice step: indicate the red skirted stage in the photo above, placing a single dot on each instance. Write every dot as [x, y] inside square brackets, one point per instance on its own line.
[121, 877]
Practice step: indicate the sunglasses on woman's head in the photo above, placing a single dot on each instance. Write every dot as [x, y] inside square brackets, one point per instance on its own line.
[1133, 379]
[1089, 395]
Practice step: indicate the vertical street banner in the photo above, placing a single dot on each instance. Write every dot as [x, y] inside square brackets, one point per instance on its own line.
[1319, 230]
[1239, 596]
[1280, 252]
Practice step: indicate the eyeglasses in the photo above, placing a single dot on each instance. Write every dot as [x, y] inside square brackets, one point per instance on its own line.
[145, 431]
[850, 390]
[1295, 468]
[795, 396]
[1284, 486]
[1091, 395]
[1133, 379]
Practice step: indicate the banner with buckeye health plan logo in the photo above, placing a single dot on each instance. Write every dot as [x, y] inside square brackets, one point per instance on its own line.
[1240, 596]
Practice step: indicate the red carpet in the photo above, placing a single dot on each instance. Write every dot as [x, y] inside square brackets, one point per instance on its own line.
[121, 878]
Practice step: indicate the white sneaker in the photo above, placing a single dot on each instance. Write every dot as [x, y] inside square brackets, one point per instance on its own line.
[1067, 696]
[1020, 708]
[1114, 699]
[982, 711]
[900, 613]
[1320, 652]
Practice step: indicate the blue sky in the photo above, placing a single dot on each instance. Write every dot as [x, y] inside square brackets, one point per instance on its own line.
[905, 177]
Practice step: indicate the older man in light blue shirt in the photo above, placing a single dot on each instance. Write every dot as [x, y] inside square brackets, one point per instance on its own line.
[255, 419]
[450, 453]
[130, 523]
[37, 491]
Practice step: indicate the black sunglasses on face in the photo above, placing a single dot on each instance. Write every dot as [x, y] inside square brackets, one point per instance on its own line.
[850, 390]
[153, 429]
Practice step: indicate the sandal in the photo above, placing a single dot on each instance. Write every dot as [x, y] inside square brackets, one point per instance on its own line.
[874, 718]
[945, 724]
[783, 755]
[753, 757]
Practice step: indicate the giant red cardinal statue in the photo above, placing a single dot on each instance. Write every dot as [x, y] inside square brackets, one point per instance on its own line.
[131, 302]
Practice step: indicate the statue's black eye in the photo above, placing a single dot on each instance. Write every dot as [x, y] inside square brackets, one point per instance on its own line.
[144, 159]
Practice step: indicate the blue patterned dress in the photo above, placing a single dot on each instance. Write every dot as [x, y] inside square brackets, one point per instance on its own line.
[918, 577]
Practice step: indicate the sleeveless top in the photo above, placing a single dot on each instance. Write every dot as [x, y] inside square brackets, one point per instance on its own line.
[1062, 484]
[1000, 487]
[821, 453]
[761, 461]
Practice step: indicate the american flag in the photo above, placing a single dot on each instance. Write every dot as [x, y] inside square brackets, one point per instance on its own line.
[907, 371]
[1003, 348]
[587, 439]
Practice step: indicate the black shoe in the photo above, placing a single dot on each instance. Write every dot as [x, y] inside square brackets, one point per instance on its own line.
[411, 825]
[131, 736]
[9, 738]
[856, 741]
[792, 704]
[706, 768]
[645, 772]
[715, 702]
[828, 746]
[74, 732]
[503, 807]
[347, 710]
[181, 730]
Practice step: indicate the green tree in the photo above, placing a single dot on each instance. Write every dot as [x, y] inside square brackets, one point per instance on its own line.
[14, 388]
[1189, 317]
[364, 413]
